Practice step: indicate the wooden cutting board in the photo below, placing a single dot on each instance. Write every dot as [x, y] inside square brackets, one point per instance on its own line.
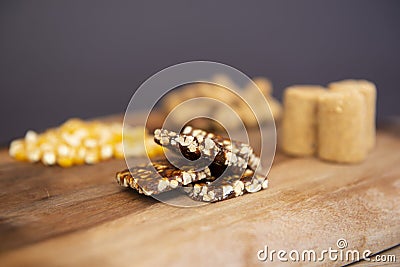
[50, 216]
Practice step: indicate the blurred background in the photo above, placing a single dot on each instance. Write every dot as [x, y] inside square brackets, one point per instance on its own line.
[62, 59]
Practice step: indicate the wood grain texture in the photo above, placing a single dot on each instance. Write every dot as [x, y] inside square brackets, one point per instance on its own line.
[79, 216]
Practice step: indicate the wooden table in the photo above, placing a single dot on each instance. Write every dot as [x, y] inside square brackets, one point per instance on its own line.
[50, 216]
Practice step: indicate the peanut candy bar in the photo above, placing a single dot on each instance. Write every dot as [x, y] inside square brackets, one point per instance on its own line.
[227, 187]
[168, 177]
[232, 148]
[193, 143]
[161, 176]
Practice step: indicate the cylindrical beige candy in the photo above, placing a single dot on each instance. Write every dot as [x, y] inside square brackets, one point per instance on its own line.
[299, 122]
[368, 89]
[341, 127]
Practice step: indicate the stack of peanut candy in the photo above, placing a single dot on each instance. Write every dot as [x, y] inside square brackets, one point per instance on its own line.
[232, 171]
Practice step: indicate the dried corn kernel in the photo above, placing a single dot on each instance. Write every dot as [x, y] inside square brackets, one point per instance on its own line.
[119, 150]
[72, 125]
[71, 139]
[90, 143]
[15, 147]
[34, 154]
[46, 146]
[77, 142]
[92, 156]
[64, 151]
[31, 137]
[65, 161]
[17, 150]
[80, 155]
[106, 151]
[49, 158]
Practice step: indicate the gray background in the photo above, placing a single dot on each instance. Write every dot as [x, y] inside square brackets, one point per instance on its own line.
[60, 59]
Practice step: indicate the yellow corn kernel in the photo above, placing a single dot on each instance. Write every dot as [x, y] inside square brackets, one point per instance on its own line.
[15, 146]
[119, 150]
[49, 158]
[46, 147]
[50, 137]
[64, 150]
[71, 139]
[34, 154]
[79, 155]
[93, 128]
[104, 136]
[92, 156]
[106, 151]
[81, 133]
[77, 142]
[72, 124]
[116, 138]
[116, 128]
[31, 137]
[90, 143]
[20, 155]
[17, 150]
[42, 139]
[65, 161]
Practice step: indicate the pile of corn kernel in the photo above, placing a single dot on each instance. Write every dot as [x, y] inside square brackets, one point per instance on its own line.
[77, 142]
